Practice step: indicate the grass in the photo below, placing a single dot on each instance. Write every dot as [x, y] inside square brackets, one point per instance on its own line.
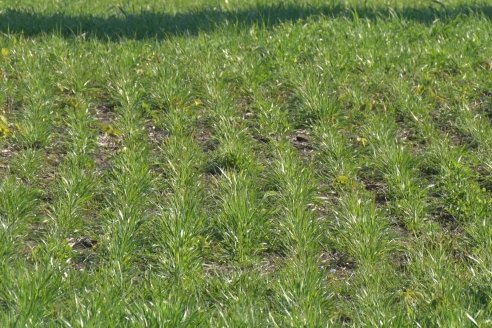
[245, 163]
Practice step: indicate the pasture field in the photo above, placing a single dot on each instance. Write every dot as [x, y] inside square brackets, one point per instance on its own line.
[245, 163]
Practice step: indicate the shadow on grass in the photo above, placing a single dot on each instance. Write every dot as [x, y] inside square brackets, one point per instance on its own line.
[159, 25]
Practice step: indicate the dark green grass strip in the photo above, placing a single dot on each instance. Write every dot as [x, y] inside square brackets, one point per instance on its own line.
[303, 295]
[239, 227]
[121, 249]
[175, 287]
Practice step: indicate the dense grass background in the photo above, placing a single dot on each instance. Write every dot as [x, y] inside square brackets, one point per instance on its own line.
[245, 163]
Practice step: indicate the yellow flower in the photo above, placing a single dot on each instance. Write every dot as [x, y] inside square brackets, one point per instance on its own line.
[111, 130]
[5, 52]
[363, 141]
[343, 179]
[4, 126]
